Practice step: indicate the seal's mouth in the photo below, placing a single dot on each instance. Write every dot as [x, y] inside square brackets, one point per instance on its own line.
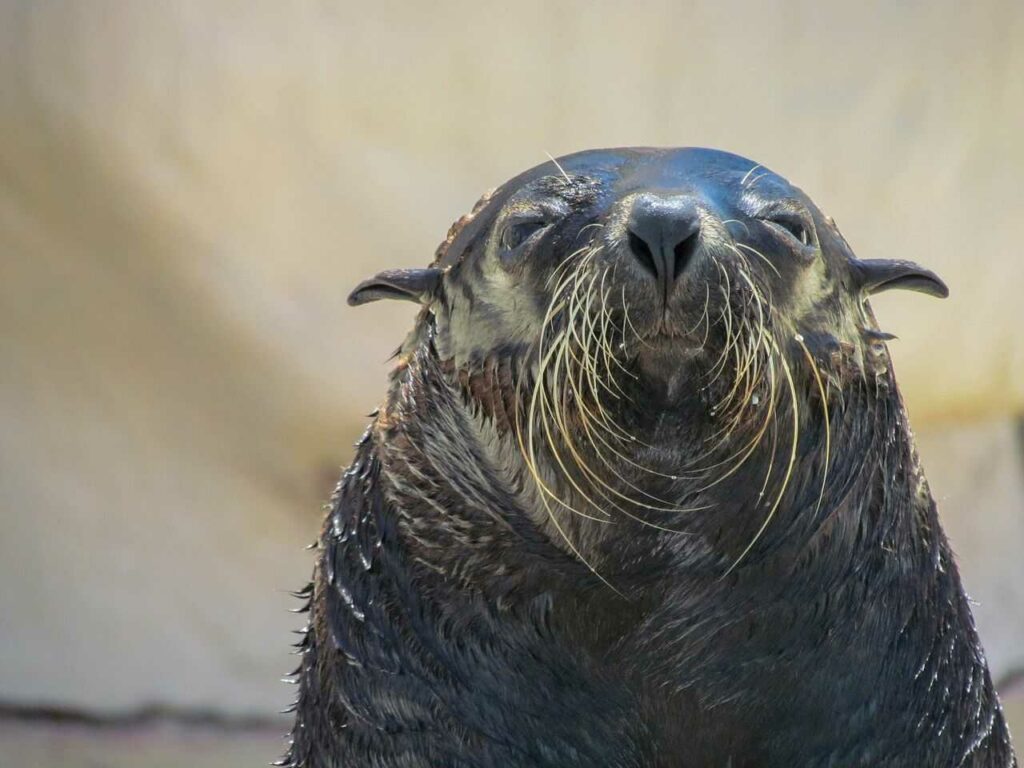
[683, 328]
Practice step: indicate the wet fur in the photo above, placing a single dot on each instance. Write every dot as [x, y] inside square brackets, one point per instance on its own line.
[807, 611]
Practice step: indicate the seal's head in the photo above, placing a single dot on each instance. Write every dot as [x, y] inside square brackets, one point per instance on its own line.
[667, 255]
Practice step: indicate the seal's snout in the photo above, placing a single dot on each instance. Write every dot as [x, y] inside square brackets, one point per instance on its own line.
[663, 236]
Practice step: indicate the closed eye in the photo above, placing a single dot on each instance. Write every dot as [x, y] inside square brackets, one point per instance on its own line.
[518, 232]
[792, 226]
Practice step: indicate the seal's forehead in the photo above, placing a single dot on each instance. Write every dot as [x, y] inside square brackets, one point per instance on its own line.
[646, 167]
[642, 166]
[626, 169]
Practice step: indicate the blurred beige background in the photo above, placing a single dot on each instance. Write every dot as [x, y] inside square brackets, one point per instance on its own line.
[188, 190]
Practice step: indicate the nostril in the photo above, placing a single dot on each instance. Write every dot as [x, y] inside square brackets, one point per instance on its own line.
[643, 254]
[683, 253]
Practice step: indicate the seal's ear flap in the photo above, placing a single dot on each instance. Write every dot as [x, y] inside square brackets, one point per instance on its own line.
[877, 275]
[419, 285]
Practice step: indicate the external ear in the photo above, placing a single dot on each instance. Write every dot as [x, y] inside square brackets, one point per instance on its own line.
[419, 285]
[877, 275]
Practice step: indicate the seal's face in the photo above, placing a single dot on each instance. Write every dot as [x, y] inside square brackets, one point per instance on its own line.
[665, 247]
[668, 257]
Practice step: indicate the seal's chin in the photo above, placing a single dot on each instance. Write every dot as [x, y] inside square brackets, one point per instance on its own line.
[665, 364]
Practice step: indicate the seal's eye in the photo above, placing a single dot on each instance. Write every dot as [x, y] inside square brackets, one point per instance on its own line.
[518, 231]
[792, 225]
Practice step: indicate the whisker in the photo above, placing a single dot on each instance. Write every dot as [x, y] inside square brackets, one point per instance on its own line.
[792, 459]
[559, 167]
[825, 414]
[757, 253]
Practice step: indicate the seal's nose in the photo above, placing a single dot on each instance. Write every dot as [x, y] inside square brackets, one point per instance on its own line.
[664, 233]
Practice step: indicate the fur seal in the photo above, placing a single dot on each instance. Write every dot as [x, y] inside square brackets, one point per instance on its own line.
[642, 494]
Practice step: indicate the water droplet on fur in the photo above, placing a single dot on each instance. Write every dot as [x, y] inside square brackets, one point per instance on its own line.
[755, 399]
[799, 337]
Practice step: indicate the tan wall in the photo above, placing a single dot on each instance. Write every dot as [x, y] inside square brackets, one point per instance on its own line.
[189, 189]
